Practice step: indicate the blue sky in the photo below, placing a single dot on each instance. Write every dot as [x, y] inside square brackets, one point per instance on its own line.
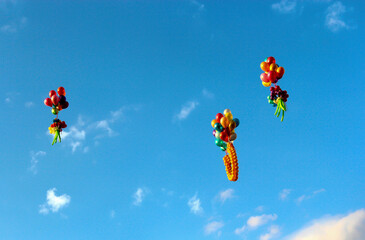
[144, 79]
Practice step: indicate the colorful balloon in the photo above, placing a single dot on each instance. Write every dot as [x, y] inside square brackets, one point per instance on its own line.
[57, 103]
[265, 66]
[61, 91]
[277, 97]
[224, 126]
[48, 102]
[51, 93]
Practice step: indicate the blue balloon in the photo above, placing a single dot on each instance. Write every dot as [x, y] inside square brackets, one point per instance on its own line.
[237, 121]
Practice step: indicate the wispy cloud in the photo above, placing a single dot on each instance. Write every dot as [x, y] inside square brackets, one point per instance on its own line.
[199, 5]
[186, 110]
[78, 136]
[112, 214]
[29, 104]
[138, 196]
[260, 208]
[213, 227]
[255, 222]
[207, 94]
[285, 6]
[15, 20]
[306, 197]
[195, 205]
[284, 194]
[349, 227]
[274, 231]
[227, 194]
[34, 160]
[334, 17]
[54, 203]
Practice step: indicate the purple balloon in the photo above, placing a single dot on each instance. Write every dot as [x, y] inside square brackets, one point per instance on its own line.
[214, 131]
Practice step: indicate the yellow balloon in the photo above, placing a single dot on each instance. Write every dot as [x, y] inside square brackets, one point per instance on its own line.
[224, 122]
[273, 67]
[266, 84]
[229, 116]
[226, 111]
[214, 121]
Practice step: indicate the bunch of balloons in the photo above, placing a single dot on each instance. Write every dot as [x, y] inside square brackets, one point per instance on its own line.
[224, 131]
[57, 103]
[272, 74]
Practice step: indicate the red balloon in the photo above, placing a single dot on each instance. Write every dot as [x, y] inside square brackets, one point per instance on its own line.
[224, 136]
[55, 99]
[51, 93]
[271, 75]
[270, 60]
[218, 117]
[61, 91]
[48, 102]
[264, 77]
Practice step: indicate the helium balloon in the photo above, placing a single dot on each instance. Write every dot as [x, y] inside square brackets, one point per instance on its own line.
[55, 99]
[51, 93]
[224, 122]
[214, 121]
[265, 66]
[48, 102]
[61, 91]
[224, 126]
[57, 102]
[278, 97]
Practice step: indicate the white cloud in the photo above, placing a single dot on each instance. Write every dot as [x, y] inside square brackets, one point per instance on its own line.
[334, 19]
[256, 221]
[195, 205]
[349, 227]
[54, 203]
[285, 6]
[7, 100]
[260, 208]
[200, 6]
[186, 110]
[112, 213]
[227, 194]
[274, 231]
[13, 27]
[213, 227]
[284, 194]
[138, 196]
[104, 124]
[34, 161]
[29, 104]
[208, 94]
[306, 197]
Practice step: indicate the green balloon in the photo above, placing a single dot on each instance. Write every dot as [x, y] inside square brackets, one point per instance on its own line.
[223, 149]
[219, 142]
[54, 111]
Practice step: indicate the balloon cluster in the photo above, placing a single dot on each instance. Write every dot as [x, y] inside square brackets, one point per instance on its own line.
[272, 74]
[224, 126]
[56, 129]
[57, 103]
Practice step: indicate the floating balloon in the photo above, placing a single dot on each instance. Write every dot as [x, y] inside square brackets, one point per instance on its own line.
[272, 74]
[224, 125]
[57, 103]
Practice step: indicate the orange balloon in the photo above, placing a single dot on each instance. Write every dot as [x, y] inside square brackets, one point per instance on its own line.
[224, 122]
[214, 121]
[265, 66]
[280, 72]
